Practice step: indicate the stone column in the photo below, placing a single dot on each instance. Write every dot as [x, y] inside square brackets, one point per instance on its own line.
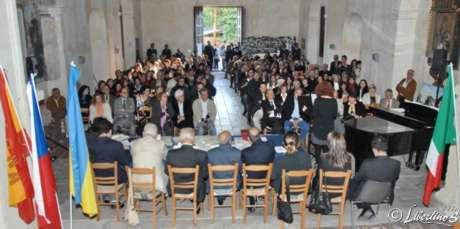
[129, 33]
[11, 59]
[99, 46]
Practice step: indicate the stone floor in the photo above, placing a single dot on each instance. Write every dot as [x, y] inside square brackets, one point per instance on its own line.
[409, 190]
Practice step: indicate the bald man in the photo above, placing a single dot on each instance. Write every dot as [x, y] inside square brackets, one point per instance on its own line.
[225, 154]
[261, 152]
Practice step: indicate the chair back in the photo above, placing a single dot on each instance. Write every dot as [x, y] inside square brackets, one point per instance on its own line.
[257, 182]
[192, 185]
[374, 192]
[223, 182]
[296, 188]
[112, 180]
[333, 188]
[143, 185]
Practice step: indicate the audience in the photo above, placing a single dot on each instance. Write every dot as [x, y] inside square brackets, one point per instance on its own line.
[182, 112]
[204, 114]
[406, 87]
[106, 150]
[389, 102]
[353, 108]
[371, 98]
[225, 154]
[124, 109]
[296, 113]
[381, 168]
[99, 108]
[188, 156]
[294, 159]
[324, 113]
[150, 152]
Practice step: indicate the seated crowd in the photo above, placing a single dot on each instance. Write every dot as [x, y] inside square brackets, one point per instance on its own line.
[173, 96]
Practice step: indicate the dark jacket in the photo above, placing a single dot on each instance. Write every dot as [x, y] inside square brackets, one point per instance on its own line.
[381, 169]
[188, 114]
[288, 107]
[267, 109]
[259, 153]
[157, 114]
[225, 155]
[323, 115]
[327, 165]
[360, 110]
[106, 150]
[297, 161]
[187, 156]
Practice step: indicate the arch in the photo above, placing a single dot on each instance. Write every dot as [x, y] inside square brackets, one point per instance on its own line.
[352, 37]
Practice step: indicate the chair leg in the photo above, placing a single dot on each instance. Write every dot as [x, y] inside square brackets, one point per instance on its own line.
[154, 211]
[302, 215]
[98, 208]
[245, 209]
[117, 206]
[351, 215]
[266, 207]
[194, 212]
[318, 221]
[234, 200]
[274, 202]
[163, 202]
[212, 207]
[174, 211]
[341, 215]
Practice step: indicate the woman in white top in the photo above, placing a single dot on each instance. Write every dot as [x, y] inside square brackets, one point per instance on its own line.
[371, 99]
[99, 108]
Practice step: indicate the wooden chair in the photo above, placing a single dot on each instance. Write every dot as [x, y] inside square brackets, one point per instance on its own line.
[191, 185]
[146, 191]
[335, 189]
[229, 185]
[255, 187]
[85, 115]
[108, 186]
[300, 190]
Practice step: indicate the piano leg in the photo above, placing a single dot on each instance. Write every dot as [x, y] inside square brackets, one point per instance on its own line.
[409, 162]
[419, 159]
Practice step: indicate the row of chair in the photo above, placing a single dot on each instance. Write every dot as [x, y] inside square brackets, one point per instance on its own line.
[252, 187]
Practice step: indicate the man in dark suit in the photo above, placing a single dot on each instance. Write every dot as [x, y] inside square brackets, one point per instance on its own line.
[296, 113]
[187, 157]
[181, 111]
[106, 150]
[381, 168]
[261, 152]
[271, 112]
[209, 52]
[225, 154]
[334, 66]
[151, 52]
[166, 53]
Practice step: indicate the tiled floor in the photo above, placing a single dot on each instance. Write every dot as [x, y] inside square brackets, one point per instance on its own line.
[408, 192]
[229, 108]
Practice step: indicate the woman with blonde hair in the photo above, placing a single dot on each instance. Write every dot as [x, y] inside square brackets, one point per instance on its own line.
[294, 159]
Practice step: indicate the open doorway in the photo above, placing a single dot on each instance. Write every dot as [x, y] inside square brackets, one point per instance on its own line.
[220, 26]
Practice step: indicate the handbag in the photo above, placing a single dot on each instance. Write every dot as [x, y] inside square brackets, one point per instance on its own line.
[320, 203]
[284, 207]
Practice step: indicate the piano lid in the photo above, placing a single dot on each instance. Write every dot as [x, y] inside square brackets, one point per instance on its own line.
[377, 125]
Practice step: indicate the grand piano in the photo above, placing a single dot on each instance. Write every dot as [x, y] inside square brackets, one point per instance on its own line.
[409, 132]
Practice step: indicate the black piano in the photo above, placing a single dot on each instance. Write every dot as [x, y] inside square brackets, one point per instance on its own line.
[409, 132]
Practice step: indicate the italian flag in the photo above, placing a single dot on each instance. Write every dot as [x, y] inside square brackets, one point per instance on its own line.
[444, 133]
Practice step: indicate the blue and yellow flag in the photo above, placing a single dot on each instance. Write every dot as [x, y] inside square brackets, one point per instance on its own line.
[80, 174]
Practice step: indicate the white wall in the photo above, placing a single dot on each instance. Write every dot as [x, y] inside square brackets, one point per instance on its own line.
[172, 21]
[12, 60]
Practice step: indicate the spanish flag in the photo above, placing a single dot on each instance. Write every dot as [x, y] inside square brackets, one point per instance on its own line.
[80, 171]
[20, 189]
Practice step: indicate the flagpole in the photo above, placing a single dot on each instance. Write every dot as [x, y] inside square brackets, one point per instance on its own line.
[72, 63]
